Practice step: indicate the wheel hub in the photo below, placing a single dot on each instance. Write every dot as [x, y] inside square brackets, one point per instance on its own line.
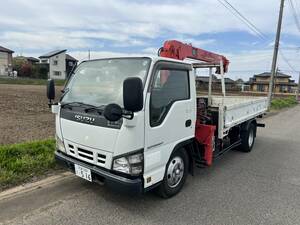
[175, 171]
[251, 138]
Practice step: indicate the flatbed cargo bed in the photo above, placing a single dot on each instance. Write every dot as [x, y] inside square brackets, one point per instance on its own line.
[234, 110]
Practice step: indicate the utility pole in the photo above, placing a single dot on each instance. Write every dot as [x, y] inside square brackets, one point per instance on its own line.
[274, 82]
[298, 89]
[89, 55]
[275, 54]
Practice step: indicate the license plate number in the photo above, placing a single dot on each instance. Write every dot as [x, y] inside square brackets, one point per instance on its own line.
[83, 172]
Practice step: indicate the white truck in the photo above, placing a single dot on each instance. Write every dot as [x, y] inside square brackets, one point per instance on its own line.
[136, 123]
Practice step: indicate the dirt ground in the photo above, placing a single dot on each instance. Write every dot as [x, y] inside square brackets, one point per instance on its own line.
[24, 114]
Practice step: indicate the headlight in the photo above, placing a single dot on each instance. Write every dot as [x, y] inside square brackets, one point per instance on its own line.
[60, 144]
[131, 164]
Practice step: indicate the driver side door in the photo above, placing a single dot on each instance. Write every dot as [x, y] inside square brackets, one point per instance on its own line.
[169, 116]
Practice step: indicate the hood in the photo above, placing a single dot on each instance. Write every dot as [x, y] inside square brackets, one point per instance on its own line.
[89, 130]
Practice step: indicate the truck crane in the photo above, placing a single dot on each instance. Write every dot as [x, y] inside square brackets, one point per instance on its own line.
[137, 123]
[178, 50]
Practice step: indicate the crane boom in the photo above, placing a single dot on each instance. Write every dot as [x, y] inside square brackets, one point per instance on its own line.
[178, 50]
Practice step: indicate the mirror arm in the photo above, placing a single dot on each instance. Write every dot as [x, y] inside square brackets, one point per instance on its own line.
[50, 103]
[127, 115]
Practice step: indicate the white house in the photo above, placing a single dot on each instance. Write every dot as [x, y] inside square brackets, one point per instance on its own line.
[5, 61]
[60, 63]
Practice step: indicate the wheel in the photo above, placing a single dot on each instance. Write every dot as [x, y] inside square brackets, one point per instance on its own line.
[248, 138]
[175, 174]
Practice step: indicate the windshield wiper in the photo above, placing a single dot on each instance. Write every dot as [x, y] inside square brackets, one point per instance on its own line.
[64, 92]
[72, 104]
[99, 109]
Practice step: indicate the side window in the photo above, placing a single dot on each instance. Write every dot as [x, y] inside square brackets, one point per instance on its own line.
[168, 87]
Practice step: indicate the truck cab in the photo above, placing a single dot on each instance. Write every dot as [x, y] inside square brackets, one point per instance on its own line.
[129, 152]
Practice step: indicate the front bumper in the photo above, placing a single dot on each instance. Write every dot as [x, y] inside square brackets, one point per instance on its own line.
[118, 183]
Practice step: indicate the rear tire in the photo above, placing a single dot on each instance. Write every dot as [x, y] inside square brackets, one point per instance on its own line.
[175, 174]
[248, 138]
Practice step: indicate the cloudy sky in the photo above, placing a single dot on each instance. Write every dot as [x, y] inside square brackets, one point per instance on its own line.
[124, 27]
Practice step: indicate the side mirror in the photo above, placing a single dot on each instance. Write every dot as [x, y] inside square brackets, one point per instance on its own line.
[113, 112]
[50, 91]
[133, 98]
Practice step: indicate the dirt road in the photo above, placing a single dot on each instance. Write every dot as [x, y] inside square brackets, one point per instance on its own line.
[24, 114]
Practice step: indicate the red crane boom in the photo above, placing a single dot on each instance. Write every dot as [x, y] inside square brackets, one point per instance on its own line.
[178, 50]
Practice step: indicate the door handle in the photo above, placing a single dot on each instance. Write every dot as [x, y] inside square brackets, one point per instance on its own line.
[188, 123]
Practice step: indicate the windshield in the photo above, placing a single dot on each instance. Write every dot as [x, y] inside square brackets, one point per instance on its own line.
[100, 82]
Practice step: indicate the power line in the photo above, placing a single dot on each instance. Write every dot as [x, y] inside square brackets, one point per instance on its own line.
[242, 18]
[251, 26]
[257, 30]
[286, 60]
[294, 11]
[297, 4]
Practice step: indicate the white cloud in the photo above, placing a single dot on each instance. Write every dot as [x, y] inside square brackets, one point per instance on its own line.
[245, 64]
[41, 40]
[200, 43]
[38, 26]
[141, 18]
[150, 50]
[83, 55]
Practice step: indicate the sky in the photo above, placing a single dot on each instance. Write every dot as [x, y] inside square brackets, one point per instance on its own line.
[130, 27]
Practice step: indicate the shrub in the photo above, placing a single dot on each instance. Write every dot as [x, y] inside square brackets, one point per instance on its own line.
[279, 103]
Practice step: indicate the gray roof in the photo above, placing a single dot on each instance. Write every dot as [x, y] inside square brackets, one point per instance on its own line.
[68, 57]
[241, 81]
[32, 59]
[202, 78]
[205, 79]
[228, 80]
[268, 74]
[53, 53]
[2, 49]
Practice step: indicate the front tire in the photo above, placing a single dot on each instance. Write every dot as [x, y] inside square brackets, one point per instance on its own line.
[175, 174]
[248, 138]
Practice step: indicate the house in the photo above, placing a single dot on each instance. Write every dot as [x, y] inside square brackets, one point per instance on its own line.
[242, 85]
[32, 60]
[5, 61]
[28, 60]
[282, 83]
[60, 64]
[203, 81]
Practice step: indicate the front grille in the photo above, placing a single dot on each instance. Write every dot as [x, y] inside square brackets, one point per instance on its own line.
[85, 153]
[94, 156]
[101, 158]
[71, 148]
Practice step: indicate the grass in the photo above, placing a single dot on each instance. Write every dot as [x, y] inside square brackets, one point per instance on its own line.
[280, 103]
[29, 81]
[22, 162]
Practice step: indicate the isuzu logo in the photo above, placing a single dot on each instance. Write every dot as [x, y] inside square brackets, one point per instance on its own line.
[84, 119]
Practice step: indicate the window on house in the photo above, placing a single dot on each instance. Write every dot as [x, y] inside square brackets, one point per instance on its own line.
[283, 88]
[261, 87]
[55, 62]
[70, 63]
[56, 73]
[168, 87]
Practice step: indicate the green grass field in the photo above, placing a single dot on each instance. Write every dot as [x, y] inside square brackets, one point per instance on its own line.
[21, 162]
[27, 81]
[280, 103]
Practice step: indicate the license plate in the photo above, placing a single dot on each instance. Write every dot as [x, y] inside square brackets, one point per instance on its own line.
[83, 172]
